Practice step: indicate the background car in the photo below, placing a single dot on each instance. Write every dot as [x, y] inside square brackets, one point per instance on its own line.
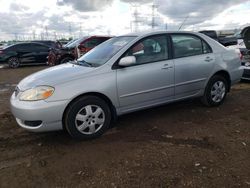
[50, 43]
[27, 53]
[69, 52]
[246, 53]
[243, 45]
[224, 40]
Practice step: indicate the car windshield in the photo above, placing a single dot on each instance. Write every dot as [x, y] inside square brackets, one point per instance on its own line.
[75, 43]
[105, 51]
[238, 35]
[70, 42]
[7, 46]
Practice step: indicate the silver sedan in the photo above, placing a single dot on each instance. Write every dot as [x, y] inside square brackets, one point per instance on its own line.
[122, 75]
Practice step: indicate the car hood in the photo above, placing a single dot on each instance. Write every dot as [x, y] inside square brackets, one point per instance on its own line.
[54, 76]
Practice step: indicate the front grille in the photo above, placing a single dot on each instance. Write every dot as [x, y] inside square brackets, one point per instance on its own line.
[246, 73]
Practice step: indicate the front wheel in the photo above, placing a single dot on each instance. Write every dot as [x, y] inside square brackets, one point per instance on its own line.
[88, 117]
[216, 91]
[13, 62]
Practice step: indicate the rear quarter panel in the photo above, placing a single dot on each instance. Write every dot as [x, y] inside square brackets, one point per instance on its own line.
[226, 60]
[231, 58]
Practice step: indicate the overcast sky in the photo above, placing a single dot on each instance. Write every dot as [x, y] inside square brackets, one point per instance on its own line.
[36, 18]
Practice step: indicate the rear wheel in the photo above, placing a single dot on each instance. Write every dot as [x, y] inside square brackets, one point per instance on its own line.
[13, 62]
[216, 91]
[88, 117]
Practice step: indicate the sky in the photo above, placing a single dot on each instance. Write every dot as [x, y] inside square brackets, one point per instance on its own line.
[35, 19]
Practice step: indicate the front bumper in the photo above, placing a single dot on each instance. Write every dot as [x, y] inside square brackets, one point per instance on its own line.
[246, 73]
[48, 114]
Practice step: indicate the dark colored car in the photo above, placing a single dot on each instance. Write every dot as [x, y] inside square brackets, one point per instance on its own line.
[245, 52]
[28, 53]
[50, 43]
[225, 41]
[69, 52]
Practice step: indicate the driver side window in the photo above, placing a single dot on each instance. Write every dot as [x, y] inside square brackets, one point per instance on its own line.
[151, 49]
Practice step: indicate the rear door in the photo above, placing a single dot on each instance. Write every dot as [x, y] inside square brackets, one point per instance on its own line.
[194, 61]
[41, 53]
[25, 53]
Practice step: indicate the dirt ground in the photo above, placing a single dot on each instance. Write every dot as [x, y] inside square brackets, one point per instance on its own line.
[179, 145]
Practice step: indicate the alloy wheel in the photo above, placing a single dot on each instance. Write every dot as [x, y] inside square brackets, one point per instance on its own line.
[90, 119]
[218, 91]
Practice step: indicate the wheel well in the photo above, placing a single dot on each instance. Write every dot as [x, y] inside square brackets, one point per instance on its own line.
[67, 56]
[226, 75]
[100, 95]
[12, 57]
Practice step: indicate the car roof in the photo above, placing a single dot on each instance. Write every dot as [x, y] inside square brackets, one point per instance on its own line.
[42, 41]
[42, 44]
[155, 32]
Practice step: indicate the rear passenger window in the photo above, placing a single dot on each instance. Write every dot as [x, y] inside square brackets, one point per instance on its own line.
[40, 48]
[206, 48]
[188, 45]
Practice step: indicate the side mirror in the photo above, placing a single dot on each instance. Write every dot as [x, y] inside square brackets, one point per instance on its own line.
[127, 61]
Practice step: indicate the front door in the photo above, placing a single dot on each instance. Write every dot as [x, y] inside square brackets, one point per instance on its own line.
[151, 80]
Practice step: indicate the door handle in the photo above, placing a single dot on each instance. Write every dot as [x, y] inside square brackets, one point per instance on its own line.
[166, 66]
[208, 59]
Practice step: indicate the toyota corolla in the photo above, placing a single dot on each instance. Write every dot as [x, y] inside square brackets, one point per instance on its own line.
[125, 74]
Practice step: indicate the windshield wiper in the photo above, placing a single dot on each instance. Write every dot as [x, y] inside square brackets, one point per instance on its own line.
[82, 62]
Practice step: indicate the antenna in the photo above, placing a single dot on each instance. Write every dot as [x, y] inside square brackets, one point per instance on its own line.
[184, 21]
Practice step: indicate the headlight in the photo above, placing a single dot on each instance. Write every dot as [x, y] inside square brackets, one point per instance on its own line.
[36, 94]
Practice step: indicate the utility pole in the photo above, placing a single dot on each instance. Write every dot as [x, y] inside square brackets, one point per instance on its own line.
[46, 32]
[80, 33]
[135, 15]
[154, 6]
[16, 37]
[70, 31]
[34, 35]
[55, 35]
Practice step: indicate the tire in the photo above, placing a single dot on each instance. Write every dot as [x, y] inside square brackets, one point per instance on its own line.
[65, 60]
[87, 118]
[13, 62]
[216, 91]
